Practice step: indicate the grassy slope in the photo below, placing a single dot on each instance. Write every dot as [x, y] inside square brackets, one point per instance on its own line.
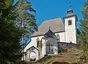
[70, 56]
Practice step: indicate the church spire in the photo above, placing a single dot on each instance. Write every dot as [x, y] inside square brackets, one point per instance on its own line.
[70, 11]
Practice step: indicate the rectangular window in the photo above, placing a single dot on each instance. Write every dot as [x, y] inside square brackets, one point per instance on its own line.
[69, 22]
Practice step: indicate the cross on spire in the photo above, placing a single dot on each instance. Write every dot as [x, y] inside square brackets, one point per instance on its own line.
[70, 4]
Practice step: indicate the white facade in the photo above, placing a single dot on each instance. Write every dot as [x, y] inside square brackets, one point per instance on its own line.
[47, 43]
[70, 30]
[62, 37]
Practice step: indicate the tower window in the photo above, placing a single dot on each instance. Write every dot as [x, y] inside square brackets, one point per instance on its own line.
[69, 22]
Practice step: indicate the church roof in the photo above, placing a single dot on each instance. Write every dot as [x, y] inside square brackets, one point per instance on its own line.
[32, 47]
[55, 25]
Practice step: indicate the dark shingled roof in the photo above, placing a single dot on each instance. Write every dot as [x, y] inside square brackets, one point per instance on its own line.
[70, 13]
[49, 34]
[55, 25]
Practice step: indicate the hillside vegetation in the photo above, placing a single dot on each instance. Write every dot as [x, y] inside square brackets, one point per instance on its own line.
[67, 56]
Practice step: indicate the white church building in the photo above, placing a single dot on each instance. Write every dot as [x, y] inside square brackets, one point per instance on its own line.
[50, 33]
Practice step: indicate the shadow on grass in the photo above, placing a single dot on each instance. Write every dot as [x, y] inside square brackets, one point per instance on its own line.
[60, 63]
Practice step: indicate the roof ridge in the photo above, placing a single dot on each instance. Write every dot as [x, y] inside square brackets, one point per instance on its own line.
[49, 20]
[52, 19]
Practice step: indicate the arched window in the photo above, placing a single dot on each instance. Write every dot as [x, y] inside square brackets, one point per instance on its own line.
[37, 42]
[70, 22]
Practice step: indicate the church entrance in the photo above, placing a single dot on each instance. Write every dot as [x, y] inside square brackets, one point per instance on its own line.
[49, 48]
[33, 56]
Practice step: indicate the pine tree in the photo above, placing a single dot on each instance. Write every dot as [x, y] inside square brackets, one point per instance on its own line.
[11, 31]
[83, 36]
[25, 18]
[4, 4]
[9, 35]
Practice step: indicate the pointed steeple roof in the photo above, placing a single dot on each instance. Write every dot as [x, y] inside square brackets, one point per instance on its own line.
[49, 34]
[70, 13]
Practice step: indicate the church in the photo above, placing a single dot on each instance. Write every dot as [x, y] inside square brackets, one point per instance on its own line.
[50, 33]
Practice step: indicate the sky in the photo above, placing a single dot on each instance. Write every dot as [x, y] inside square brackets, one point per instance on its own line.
[49, 9]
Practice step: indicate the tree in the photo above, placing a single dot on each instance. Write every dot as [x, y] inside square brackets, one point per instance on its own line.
[25, 18]
[11, 31]
[4, 4]
[9, 35]
[83, 36]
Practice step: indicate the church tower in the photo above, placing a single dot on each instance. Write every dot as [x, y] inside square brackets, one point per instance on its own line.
[70, 27]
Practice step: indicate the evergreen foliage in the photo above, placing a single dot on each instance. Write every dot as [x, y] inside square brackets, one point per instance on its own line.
[9, 36]
[11, 31]
[83, 36]
[25, 17]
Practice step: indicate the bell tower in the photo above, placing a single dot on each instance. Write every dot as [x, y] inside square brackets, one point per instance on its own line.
[70, 27]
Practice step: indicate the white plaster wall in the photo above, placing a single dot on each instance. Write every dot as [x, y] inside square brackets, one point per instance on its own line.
[27, 57]
[71, 30]
[33, 42]
[62, 36]
[43, 48]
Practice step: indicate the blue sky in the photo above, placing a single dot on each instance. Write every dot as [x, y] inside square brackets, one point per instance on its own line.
[49, 9]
